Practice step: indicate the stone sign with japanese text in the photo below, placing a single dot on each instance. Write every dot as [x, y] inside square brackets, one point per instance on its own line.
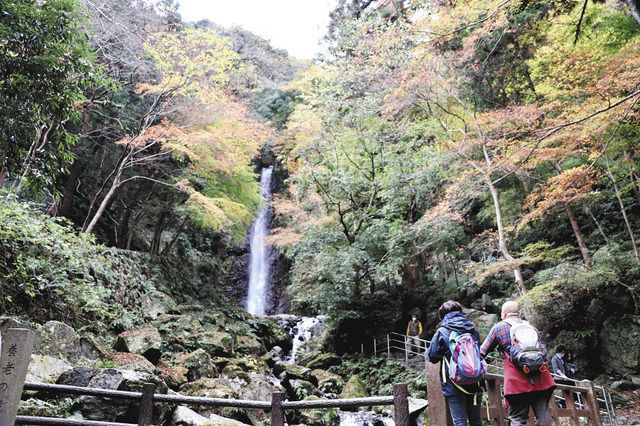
[16, 345]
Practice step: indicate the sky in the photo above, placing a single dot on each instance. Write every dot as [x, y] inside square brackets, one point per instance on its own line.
[294, 25]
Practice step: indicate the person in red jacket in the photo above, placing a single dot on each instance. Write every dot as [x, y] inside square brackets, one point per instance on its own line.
[521, 391]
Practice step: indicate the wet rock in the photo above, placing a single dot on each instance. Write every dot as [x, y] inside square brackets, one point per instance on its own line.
[271, 333]
[199, 365]
[179, 332]
[142, 341]
[96, 408]
[78, 376]
[248, 345]
[46, 369]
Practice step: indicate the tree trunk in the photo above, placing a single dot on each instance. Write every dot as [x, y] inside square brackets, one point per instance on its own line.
[586, 257]
[634, 5]
[600, 230]
[157, 233]
[517, 272]
[103, 205]
[632, 236]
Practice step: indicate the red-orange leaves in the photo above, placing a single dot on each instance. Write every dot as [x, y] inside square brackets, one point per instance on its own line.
[570, 186]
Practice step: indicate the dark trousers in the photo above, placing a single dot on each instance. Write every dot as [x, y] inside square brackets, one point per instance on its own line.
[463, 410]
[538, 401]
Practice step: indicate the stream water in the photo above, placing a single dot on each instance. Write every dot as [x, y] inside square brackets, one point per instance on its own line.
[258, 293]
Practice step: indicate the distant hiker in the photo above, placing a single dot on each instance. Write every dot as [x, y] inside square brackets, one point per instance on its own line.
[527, 380]
[459, 375]
[558, 362]
[414, 330]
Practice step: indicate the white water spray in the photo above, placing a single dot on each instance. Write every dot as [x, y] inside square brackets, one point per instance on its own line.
[259, 263]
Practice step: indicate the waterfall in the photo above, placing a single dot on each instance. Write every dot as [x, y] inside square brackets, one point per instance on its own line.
[259, 263]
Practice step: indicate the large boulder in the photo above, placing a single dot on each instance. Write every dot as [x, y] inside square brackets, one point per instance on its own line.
[129, 361]
[248, 345]
[144, 341]
[77, 376]
[271, 332]
[173, 376]
[117, 410]
[300, 389]
[198, 364]
[184, 416]
[354, 388]
[210, 388]
[216, 343]
[179, 332]
[319, 416]
[482, 320]
[258, 389]
[620, 351]
[294, 372]
[46, 369]
[59, 340]
[328, 382]
[322, 360]
[156, 303]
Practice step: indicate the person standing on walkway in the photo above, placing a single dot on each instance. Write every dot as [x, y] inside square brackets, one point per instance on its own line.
[525, 385]
[414, 331]
[455, 332]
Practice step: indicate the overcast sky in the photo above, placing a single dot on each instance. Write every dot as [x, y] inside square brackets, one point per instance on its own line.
[294, 25]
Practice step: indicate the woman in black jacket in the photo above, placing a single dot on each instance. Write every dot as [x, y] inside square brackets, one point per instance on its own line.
[464, 400]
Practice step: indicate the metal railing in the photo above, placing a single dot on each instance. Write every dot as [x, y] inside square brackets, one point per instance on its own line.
[278, 405]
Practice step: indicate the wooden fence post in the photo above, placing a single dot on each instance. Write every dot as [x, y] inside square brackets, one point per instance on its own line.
[592, 402]
[438, 414]
[277, 411]
[146, 405]
[16, 345]
[571, 406]
[401, 404]
[494, 401]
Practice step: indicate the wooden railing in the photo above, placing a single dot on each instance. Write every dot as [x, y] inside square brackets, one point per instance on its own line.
[581, 402]
[147, 398]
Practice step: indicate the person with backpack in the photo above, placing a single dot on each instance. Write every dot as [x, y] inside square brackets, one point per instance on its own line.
[527, 379]
[455, 346]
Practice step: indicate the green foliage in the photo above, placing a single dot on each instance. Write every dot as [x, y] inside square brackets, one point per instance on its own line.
[380, 375]
[45, 65]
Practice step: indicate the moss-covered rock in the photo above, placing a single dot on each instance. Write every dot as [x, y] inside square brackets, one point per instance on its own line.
[354, 388]
[174, 377]
[620, 351]
[198, 364]
[129, 361]
[248, 345]
[300, 389]
[216, 343]
[328, 382]
[324, 417]
[211, 388]
[322, 360]
[271, 333]
[46, 369]
[145, 341]
[294, 371]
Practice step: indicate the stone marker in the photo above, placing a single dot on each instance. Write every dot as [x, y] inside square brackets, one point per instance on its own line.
[16, 346]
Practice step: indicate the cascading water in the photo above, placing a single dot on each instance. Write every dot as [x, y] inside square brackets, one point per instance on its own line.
[259, 262]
